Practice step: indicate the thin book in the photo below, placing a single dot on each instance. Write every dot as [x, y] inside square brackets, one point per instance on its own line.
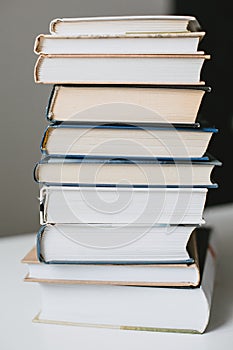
[123, 24]
[170, 43]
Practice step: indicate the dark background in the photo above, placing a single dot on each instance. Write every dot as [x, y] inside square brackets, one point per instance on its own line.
[217, 108]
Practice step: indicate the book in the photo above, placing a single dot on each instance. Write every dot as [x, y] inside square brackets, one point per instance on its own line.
[120, 68]
[112, 172]
[139, 308]
[114, 244]
[121, 205]
[161, 274]
[125, 141]
[125, 103]
[124, 176]
[123, 24]
[170, 43]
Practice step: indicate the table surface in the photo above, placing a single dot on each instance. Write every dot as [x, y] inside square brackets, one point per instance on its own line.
[20, 301]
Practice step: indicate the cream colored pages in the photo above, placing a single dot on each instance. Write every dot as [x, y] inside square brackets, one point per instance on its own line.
[125, 104]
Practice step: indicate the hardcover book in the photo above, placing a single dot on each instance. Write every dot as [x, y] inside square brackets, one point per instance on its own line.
[121, 205]
[145, 274]
[125, 103]
[120, 68]
[123, 24]
[111, 172]
[114, 244]
[137, 308]
[169, 43]
[125, 141]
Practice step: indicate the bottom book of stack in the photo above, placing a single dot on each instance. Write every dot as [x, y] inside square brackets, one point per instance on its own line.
[147, 297]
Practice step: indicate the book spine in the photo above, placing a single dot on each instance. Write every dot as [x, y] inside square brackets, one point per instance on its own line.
[38, 243]
[44, 140]
[35, 172]
[53, 24]
[43, 205]
[38, 44]
[37, 68]
[52, 98]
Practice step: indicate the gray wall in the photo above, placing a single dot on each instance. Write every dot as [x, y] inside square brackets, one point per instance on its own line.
[23, 103]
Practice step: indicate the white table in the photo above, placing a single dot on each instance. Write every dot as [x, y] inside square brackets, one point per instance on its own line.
[19, 302]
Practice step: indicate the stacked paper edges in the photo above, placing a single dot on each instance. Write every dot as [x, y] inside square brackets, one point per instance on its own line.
[124, 176]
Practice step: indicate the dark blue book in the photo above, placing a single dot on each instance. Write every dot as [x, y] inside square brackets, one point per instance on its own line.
[88, 171]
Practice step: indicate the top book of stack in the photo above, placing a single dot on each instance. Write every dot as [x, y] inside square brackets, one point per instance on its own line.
[123, 25]
[121, 50]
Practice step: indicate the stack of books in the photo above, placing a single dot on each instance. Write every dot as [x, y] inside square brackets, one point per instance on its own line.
[124, 176]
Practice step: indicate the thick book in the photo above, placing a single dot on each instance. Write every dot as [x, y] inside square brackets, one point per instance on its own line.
[139, 308]
[123, 25]
[146, 274]
[125, 141]
[114, 244]
[119, 44]
[112, 172]
[120, 68]
[121, 205]
[125, 103]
